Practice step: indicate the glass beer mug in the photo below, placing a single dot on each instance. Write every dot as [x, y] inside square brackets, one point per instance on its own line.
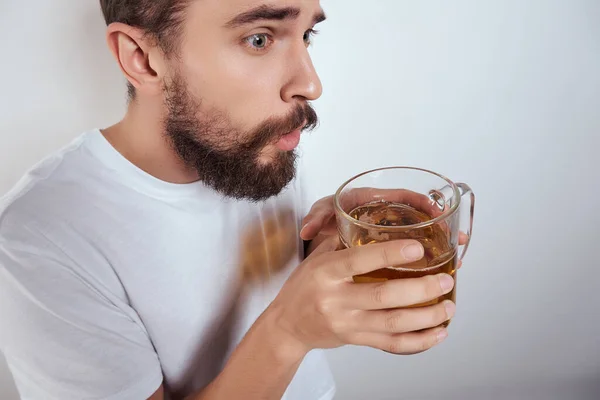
[406, 203]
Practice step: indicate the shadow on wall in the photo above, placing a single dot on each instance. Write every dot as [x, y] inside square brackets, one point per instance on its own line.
[7, 387]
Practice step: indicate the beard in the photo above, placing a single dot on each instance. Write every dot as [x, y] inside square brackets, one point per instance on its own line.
[228, 159]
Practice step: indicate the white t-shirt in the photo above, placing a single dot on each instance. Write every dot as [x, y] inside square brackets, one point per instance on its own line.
[112, 280]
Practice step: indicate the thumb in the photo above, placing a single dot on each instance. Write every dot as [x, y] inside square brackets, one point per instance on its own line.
[315, 222]
[319, 215]
[330, 244]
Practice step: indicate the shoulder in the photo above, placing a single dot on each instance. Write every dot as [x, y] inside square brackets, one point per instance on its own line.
[44, 221]
[48, 191]
[47, 239]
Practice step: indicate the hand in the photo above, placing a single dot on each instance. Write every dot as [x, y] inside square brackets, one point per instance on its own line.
[320, 220]
[321, 307]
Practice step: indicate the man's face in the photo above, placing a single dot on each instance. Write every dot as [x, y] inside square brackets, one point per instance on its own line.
[238, 93]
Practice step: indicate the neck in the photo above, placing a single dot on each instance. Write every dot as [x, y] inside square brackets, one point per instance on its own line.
[140, 138]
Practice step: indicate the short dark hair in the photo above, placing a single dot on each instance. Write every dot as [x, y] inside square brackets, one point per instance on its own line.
[159, 19]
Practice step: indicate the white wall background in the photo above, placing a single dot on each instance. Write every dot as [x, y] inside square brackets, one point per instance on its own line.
[504, 95]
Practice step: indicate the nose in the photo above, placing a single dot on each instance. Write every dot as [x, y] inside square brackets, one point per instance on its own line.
[303, 83]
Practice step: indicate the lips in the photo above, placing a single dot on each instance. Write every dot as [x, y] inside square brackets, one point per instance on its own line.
[290, 141]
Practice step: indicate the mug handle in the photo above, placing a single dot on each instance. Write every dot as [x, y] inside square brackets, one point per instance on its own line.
[464, 190]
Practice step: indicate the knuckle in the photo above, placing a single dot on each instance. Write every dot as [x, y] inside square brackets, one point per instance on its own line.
[324, 308]
[392, 322]
[347, 261]
[334, 325]
[338, 326]
[321, 263]
[379, 293]
[393, 347]
[396, 345]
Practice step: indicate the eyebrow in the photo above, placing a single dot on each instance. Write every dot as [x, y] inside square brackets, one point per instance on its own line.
[270, 13]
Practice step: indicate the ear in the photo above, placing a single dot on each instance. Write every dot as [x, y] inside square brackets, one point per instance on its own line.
[139, 58]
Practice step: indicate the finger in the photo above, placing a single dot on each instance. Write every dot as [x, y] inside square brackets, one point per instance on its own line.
[314, 222]
[402, 343]
[463, 238]
[396, 293]
[459, 264]
[320, 214]
[331, 244]
[360, 260]
[406, 319]
[419, 201]
[322, 224]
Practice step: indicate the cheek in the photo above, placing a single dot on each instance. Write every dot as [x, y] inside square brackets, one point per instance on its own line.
[247, 87]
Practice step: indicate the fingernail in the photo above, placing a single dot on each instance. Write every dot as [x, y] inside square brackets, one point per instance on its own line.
[443, 334]
[446, 282]
[450, 308]
[413, 252]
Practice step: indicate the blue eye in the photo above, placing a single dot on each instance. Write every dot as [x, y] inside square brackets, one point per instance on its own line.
[258, 41]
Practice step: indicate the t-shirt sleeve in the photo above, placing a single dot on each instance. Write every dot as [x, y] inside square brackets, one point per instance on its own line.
[62, 338]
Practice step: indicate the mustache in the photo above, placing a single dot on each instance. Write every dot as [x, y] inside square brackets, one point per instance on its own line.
[302, 116]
